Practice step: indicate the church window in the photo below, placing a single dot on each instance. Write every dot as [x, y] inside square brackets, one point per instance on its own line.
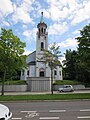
[42, 30]
[42, 45]
[28, 72]
[39, 30]
[41, 74]
[55, 72]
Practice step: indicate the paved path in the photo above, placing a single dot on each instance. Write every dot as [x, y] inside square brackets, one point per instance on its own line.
[36, 93]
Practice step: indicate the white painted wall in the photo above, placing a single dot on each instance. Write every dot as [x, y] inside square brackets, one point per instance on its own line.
[32, 71]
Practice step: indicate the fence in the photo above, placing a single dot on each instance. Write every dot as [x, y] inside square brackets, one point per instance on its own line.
[38, 84]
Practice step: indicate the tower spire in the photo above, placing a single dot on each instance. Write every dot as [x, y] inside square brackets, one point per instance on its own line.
[41, 21]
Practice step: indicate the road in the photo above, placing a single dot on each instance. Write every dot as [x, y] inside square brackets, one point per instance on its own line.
[54, 110]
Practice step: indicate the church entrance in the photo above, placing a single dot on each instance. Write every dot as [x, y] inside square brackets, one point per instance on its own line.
[41, 74]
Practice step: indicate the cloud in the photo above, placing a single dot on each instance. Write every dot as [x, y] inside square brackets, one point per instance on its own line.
[58, 14]
[21, 16]
[76, 32]
[27, 52]
[30, 34]
[82, 14]
[57, 28]
[75, 11]
[70, 42]
[6, 7]
[5, 23]
[22, 12]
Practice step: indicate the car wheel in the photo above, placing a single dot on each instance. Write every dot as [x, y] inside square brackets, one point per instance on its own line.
[61, 91]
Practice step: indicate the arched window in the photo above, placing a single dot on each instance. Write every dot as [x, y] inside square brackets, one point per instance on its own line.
[42, 45]
[42, 30]
[41, 74]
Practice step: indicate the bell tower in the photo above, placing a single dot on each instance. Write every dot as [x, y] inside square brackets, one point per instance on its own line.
[41, 44]
[42, 36]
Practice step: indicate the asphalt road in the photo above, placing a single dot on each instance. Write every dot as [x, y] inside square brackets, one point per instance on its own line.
[54, 110]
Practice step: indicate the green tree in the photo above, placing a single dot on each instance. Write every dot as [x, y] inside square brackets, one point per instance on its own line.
[84, 52]
[70, 64]
[11, 54]
[51, 57]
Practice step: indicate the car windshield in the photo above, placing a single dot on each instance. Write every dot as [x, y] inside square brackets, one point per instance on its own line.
[67, 86]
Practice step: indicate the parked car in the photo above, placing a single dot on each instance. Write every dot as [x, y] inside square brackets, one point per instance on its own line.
[5, 113]
[66, 88]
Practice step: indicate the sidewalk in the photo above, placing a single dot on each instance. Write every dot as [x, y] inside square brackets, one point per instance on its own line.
[27, 93]
[43, 93]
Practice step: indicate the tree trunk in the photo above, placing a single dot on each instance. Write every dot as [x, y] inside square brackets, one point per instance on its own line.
[2, 92]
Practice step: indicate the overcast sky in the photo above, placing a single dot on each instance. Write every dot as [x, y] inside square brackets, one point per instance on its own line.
[64, 19]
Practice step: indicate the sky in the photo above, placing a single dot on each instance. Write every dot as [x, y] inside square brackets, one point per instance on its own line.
[64, 19]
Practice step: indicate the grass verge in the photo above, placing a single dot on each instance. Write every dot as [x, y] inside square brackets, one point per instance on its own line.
[45, 97]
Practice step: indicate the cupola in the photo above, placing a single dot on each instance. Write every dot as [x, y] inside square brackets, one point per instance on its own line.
[41, 26]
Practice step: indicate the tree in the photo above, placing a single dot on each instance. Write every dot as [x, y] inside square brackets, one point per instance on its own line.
[70, 64]
[11, 54]
[84, 52]
[51, 57]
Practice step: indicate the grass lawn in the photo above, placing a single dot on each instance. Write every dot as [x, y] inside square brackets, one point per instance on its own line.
[67, 82]
[45, 97]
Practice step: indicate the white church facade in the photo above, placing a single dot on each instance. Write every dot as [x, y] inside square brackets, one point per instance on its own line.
[38, 73]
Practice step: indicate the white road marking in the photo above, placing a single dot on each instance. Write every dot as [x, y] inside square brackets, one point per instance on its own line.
[48, 118]
[28, 111]
[16, 118]
[85, 110]
[57, 110]
[83, 117]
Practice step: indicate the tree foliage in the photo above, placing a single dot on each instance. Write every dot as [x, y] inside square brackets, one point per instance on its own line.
[11, 53]
[84, 53]
[84, 48]
[52, 56]
[70, 64]
[78, 62]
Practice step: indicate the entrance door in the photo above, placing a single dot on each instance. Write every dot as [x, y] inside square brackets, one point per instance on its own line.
[41, 74]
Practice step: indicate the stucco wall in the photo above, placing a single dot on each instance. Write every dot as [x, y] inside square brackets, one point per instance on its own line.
[14, 88]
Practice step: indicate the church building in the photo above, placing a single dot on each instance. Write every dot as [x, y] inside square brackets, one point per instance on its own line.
[38, 73]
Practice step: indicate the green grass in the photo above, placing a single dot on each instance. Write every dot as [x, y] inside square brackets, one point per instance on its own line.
[45, 97]
[67, 82]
